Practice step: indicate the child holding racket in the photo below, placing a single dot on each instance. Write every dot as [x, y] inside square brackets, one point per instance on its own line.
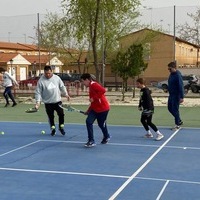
[147, 107]
[98, 109]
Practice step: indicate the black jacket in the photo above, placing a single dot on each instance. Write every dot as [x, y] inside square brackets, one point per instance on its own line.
[146, 101]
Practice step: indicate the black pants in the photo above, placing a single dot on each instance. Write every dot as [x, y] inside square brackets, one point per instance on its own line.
[8, 93]
[146, 121]
[50, 108]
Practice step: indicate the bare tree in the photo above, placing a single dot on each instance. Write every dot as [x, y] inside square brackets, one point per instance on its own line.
[191, 32]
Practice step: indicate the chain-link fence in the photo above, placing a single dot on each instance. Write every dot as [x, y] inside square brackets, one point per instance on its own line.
[23, 28]
[164, 18]
[20, 28]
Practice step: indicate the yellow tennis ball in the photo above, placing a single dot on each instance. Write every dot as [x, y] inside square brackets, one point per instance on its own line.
[62, 126]
[2, 133]
[43, 132]
[53, 127]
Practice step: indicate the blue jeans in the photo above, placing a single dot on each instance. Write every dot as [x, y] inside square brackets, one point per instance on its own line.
[8, 93]
[173, 107]
[101, 120]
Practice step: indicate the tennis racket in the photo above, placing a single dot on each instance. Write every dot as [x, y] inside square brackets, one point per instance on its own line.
[71, 109]
[31, 110]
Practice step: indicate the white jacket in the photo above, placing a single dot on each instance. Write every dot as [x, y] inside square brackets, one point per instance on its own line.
[8, 80]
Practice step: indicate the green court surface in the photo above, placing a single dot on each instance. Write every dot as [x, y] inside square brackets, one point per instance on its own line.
[119, 115]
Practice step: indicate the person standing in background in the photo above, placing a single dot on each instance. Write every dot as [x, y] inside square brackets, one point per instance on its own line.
[147, 107]
[8, 83]
[176, 93]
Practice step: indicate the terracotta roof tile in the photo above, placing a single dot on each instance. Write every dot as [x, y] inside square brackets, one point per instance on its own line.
[5, 57]
[35, 58]
[19, 46]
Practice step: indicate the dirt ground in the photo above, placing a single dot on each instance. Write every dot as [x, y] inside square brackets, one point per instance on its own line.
[117, 100]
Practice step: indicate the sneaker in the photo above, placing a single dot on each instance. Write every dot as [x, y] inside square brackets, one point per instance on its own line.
[7, 104]
[148, 135]
[53, 131]
[90, 144]
[159, 137]
[175, 128]
[62, 131]
[105, 140]
[180, 123]
[14, 104]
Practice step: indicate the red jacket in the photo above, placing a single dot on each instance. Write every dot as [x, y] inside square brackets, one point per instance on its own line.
[97, 93]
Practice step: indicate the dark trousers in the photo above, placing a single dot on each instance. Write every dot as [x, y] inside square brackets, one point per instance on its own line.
[146, 121]
[50, 108]
[101, 120]
[173, 107]
[8, 93]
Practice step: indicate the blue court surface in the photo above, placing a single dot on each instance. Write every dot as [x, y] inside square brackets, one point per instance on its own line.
[35, 166]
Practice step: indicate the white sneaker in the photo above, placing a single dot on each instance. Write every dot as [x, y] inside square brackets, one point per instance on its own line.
[148, 135]
[159, 137]
[175, 128]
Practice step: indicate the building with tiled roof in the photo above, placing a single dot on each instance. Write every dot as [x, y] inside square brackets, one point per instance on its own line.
[41, 57]
[23, 49]
[24, 66]
[15, 64]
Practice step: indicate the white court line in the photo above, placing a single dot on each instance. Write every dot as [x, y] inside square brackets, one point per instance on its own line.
[125, 144]
[64, 141]
[63, 172]
[183, 147]
[19, 148]
[142, 167]
[171, 180]
[162, 191]
[114, 144]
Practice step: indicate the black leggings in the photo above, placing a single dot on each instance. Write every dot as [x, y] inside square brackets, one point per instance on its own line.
[146, 121]
[50, 108]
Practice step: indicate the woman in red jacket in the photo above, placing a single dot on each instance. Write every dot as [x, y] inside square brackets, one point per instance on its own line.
[98, 110]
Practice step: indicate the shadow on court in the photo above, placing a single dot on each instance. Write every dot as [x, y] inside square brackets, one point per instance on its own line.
[34, 166]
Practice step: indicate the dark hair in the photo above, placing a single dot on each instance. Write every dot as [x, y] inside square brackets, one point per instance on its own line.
[172, 64]
[141, 81]
[47, 68]
[2, 69]
[86, 76]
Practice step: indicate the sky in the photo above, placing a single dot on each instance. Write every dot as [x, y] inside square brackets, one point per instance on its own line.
[19, 17]
[24, 7]
[167, 3]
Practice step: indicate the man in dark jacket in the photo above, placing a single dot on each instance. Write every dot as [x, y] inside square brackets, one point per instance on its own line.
[176, 93]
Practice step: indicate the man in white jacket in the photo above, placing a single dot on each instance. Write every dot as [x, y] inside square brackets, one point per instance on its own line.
[49, 90]
[8, 82]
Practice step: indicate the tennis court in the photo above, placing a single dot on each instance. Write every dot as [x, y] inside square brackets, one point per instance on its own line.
[35, 166]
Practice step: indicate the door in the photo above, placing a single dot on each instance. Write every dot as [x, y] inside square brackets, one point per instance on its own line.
[22, 73]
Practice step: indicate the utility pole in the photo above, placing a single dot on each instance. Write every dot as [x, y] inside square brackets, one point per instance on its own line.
[174, 43]
[38, 17]
[103, 50]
